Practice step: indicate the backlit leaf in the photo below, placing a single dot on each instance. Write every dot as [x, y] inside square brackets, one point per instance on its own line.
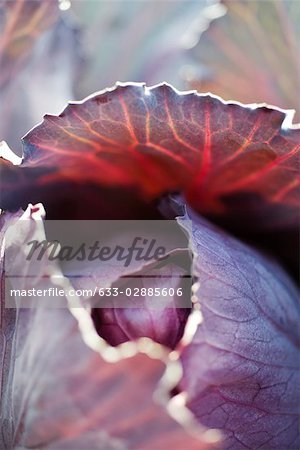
[230, 160]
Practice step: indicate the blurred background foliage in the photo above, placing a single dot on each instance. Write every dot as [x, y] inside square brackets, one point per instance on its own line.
[54, 51]
[252, 54]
